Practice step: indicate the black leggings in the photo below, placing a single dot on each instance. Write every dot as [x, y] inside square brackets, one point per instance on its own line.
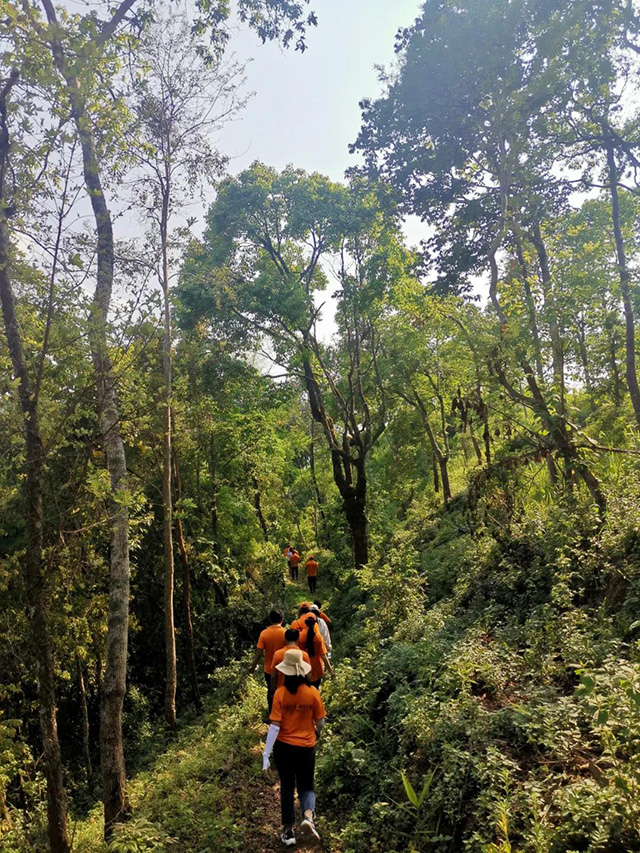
[296, 766]
[293, 572]
[270, 692]
[313, 580]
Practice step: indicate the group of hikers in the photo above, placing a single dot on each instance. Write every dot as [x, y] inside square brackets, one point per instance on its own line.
[293, 558]
[295, 660]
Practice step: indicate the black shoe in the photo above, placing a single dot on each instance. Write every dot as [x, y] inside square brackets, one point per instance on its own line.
[288, 838]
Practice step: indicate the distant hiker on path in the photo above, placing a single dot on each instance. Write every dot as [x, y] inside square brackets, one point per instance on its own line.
[322, 627]
[297, 718]
[311, 641]
[288, 551]
[291, 637]
[312, 572]
[269, 641]
[294, 562]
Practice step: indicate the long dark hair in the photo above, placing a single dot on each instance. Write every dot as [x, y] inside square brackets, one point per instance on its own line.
[311, 631]
[292, 682]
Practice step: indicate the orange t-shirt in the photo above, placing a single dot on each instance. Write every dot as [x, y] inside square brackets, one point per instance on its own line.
[271, 639]
[312, 568]
[278, 657]
[294, 559]
[296, 713]
[300, 622]
[324, 616]
[317, 666]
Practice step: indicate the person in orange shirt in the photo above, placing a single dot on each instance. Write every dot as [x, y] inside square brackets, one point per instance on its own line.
[312, 573]
[312, 642]
[304, 613]
[291, 636]
[269, 641]
[297, 718]
[294, 562]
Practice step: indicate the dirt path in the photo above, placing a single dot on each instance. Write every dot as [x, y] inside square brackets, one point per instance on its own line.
[263, 825]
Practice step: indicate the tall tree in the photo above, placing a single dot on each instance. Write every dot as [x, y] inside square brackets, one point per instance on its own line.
[469, 153]
[260, 268]
[35, 583]
[180, 102]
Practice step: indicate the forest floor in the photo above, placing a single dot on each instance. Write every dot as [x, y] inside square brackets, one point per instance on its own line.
[206, 790]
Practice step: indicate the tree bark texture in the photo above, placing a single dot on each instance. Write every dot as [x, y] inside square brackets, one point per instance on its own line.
[114, 791]
[34, 577]
[352, 490]
[625, 287]
[186, 595]
[171, 677]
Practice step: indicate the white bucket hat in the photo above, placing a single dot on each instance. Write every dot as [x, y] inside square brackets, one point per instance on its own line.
[293, 663]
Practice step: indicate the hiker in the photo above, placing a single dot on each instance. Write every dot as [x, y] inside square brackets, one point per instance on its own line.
[269, 641]
[294, 562]
[312, 572]
[288, 550]
[297, 718]
[304, 611]
[311, 641]
[291, 637]
[323, 628]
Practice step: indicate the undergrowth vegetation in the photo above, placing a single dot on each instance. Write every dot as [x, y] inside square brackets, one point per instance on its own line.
[514, 694]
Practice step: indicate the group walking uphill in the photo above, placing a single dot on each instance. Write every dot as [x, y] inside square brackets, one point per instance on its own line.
[293, 558]
[295, 661]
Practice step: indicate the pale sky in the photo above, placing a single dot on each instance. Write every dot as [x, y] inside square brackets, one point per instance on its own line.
[305, 108]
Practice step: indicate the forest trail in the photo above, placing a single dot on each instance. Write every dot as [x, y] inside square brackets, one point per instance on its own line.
[206, 790]
[263, 825]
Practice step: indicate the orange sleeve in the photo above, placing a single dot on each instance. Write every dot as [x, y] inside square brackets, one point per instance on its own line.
[318, 707]
[261, 644]
[325, 617]
[320, 647]
[276, 708]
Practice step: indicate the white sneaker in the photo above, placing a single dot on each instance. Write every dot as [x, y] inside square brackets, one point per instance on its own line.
[308, 829]
[288, 838]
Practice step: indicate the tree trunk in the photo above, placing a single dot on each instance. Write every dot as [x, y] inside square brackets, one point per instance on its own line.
[114, 781]
[474, 441]
[615, 373]
[357, 520]
[213, 496]
[186, 596]
[316, 490]
[257, 502]
[625, 287]
[171, 677]
[85, 721]
[33, 567]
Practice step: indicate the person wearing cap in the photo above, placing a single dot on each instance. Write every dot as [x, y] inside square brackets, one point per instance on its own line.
[312, 572]
[297, 717]
[269, 641]
[323, 628]
[291, 637]
[311, 641]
